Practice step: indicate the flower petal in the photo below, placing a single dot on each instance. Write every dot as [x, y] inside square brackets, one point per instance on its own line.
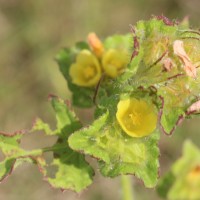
[179, 50]
[114, 61]
[137, 118]
[86, 71]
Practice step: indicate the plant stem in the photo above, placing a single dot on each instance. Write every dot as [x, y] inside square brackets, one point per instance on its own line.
[53, 148]
[127, 188]
[37, 152]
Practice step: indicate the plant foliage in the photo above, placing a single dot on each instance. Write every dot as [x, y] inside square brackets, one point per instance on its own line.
[153, 72]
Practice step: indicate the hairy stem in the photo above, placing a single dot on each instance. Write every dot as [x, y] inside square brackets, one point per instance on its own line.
[127, 188]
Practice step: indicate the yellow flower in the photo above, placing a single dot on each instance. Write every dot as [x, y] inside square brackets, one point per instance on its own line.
[137, 118]
[114, 61]
[194, 175]
[86, 71]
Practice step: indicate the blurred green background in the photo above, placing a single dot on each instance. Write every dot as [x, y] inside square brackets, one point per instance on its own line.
[31, 33]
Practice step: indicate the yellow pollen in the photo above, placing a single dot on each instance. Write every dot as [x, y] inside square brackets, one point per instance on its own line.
[114, 63]
[136, 118]
[89, 72]
[196, 170]
[194, 173]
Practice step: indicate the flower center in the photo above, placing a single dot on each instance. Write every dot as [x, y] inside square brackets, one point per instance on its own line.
[116, 64]
[136, 118]
[89, 72]
[194, 174]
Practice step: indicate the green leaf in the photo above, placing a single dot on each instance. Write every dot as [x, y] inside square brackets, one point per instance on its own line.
[181, 91]
[151, 41]
[71, 171]
[6, 167]
[123, 42]
[155, 39]
[165, 184]
[176, 99]
[68, 170]
[9, 164]
[81, 96]
[185, 183]
[117, 152]
[9, 144]
[69, 167]
[67, 122]
[14, 154]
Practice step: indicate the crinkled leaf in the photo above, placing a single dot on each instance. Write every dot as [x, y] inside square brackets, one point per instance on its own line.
[9, 164]
[10, 143]
[178, 95]
[6, 167]
[14, 155]
[71, 171]
[180, 92]
[67, 122]
[68, 170]
[186, 176]
[150, 43]
[117, 152]
[154, 37]
[121, 42]
[70, 166]
[155, 64]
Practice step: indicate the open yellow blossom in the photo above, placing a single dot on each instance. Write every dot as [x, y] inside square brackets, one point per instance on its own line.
[86, 71]
[114, 62]
[138, 118]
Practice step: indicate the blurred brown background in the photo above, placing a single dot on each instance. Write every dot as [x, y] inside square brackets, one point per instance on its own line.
[31, 33]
